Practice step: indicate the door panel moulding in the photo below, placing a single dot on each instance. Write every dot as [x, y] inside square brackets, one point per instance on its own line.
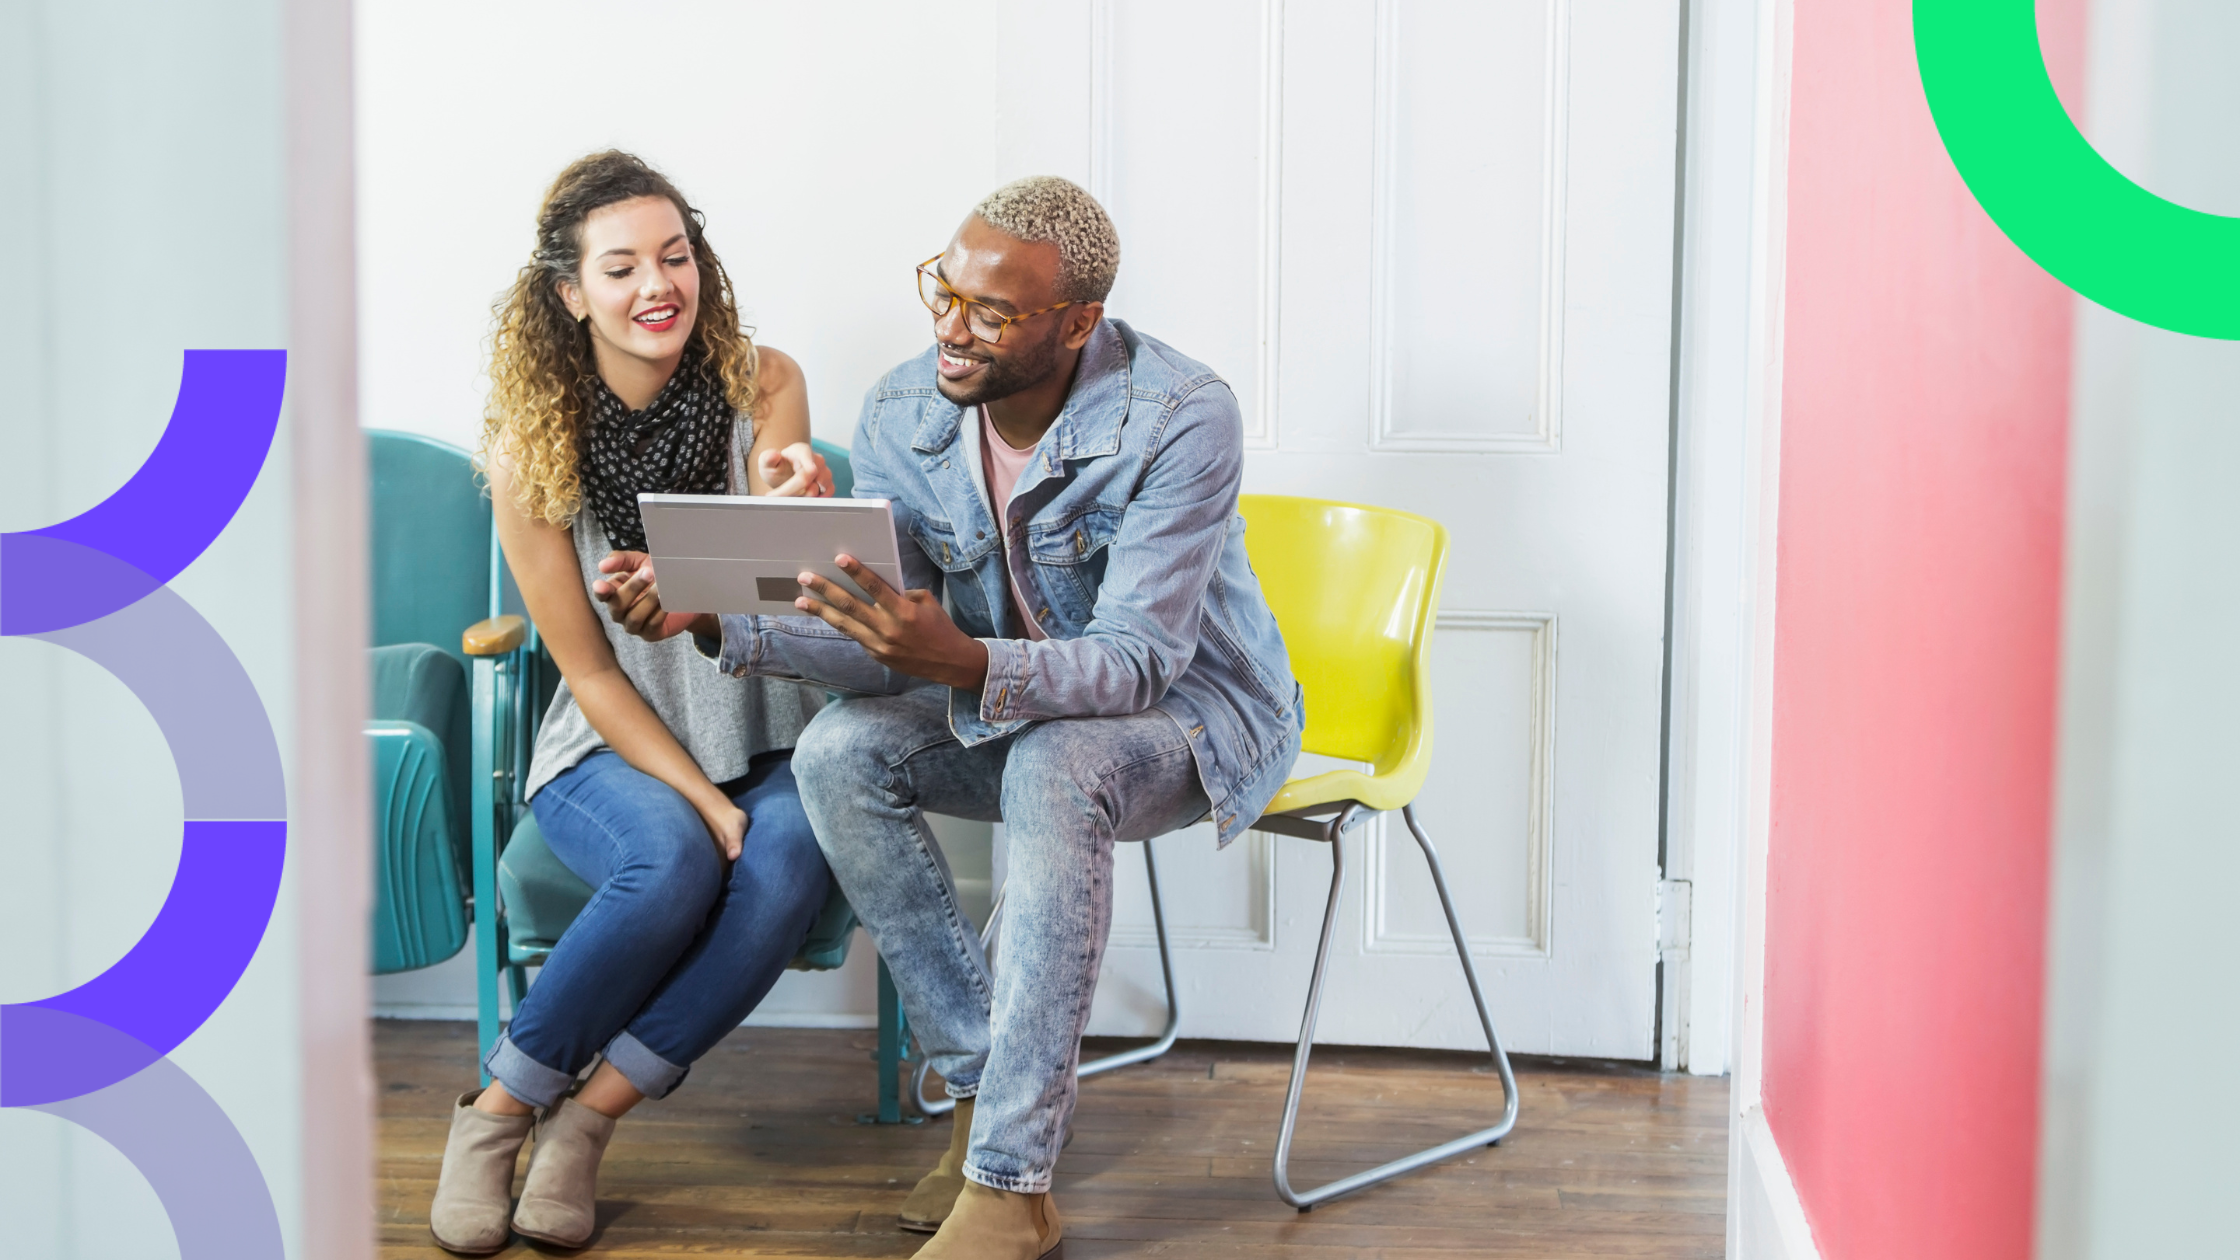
[1385, 433]
[1260, 425]
[1178, 848]
[1380, 935]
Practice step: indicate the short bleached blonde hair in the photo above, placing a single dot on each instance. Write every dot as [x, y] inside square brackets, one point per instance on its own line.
[1047, 208]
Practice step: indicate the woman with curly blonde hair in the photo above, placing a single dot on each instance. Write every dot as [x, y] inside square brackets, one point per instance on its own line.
[619, 368]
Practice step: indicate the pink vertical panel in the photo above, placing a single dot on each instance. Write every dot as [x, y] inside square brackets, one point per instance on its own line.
[1923, 445]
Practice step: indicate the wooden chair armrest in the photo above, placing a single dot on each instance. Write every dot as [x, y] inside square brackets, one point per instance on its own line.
[495, 637]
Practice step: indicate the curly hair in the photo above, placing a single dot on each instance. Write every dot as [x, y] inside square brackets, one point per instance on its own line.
[1047, 208]
[540, 356]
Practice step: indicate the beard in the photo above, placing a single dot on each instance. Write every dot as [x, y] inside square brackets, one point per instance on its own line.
[1025, 368]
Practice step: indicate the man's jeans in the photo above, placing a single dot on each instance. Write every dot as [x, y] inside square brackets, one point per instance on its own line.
[673, 949]
[1065, 790]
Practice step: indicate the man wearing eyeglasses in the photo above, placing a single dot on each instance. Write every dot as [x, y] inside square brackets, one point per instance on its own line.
[1104, 668]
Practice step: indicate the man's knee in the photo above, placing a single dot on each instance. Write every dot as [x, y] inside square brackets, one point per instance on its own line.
[1053, 775]
[1100, 776]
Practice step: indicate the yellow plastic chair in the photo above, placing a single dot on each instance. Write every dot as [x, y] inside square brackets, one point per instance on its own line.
[1354, 590]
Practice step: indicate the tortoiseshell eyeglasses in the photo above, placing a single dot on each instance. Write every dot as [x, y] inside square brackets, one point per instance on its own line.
[986, 322]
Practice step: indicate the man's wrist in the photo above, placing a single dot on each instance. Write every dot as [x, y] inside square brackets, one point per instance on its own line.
[972, 667]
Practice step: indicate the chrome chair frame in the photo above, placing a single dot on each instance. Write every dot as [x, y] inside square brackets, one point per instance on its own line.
[1306, 825]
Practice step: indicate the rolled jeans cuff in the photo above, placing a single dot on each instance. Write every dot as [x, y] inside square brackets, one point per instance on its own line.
[525, 1078]
[647, 1072]
[1032, 1183]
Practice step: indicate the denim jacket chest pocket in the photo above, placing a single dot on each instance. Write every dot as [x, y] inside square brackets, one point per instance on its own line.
[960, 555]
[1069, 556]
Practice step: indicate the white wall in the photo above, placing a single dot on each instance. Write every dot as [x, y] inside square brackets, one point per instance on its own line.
[821, 189]
[2136, 1155]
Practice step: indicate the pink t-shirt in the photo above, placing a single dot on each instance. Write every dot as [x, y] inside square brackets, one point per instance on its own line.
[1002, 463]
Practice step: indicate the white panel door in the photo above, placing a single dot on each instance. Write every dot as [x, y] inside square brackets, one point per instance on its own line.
[1430, 244]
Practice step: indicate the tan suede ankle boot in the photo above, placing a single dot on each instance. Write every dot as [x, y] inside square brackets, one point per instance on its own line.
[929, 1204]
[560, 1198]
[474, 1193]
[998, 1225]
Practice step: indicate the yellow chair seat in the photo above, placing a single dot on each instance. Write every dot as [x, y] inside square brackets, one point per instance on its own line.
[1336, 788]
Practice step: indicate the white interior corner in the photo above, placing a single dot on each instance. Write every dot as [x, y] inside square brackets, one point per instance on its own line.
[1765, 1218]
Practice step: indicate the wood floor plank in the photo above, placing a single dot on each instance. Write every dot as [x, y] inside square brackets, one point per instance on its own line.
[761, 1155]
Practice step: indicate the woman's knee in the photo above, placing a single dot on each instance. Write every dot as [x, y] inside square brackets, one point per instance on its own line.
[672, 857]
[779, 837]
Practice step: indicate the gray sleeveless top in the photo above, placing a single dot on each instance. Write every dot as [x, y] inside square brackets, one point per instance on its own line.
[721, 721]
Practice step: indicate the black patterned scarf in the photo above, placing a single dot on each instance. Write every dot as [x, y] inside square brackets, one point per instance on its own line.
[680, 444]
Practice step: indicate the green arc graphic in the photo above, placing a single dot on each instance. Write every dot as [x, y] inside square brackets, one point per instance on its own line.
[2051, 192]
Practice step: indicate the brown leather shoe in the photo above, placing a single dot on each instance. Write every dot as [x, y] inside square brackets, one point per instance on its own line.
[998, 1225]
[560, 1197]
[474, 1192]
[937, 1191]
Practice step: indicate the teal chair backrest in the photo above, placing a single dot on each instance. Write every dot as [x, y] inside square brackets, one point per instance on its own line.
[843, 472]
[429, 541]
[429, 558]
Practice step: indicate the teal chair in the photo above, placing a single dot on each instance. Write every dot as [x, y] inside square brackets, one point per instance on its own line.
[428, 586]
[461, 683]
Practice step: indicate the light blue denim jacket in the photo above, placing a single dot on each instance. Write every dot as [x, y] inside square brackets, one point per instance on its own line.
[1125, 538]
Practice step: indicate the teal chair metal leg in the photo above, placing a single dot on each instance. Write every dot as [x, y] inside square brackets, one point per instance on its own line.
[488, 949]
[893, 1029]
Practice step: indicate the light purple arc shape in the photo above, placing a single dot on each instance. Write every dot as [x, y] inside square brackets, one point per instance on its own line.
[183, 1143]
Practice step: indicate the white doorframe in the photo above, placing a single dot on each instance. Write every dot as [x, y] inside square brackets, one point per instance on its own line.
[1735, 203]
[1733, 277]
[1728, 403]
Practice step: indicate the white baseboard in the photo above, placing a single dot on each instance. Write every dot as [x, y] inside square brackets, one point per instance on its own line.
[420, 1010]
[1765, 1218]
[810, 1019]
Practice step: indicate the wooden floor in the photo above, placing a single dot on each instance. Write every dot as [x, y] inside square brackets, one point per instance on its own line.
[760, 1154]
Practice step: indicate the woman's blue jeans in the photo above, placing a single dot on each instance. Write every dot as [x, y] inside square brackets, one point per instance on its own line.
[677, 945]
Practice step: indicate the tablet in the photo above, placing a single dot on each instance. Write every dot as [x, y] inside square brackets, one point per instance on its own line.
[720, 553]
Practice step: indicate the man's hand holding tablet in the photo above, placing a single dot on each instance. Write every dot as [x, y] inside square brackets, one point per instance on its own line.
[906, 631]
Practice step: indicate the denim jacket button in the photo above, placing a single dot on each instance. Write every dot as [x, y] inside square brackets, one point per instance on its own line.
[980, 533]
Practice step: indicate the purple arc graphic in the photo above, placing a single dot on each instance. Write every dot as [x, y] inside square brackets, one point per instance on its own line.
[95, 584]
[168, 512]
